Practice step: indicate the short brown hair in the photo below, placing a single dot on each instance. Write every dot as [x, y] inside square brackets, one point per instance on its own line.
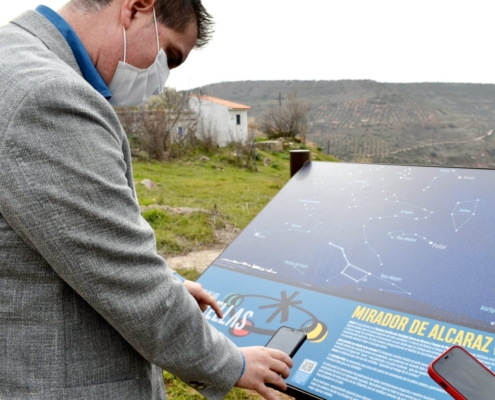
[174, 14]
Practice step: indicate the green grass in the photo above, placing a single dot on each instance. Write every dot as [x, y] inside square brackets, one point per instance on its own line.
[231, 196]
[176, 389]
[204, 184]
[180, 233]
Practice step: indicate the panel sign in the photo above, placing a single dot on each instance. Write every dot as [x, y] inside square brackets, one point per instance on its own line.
[384, 267]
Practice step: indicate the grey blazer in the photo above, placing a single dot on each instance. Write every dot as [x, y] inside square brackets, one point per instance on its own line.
[87, 308]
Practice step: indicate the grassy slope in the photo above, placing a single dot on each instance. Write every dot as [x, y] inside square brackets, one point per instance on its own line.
[231, 196]
[236, 194]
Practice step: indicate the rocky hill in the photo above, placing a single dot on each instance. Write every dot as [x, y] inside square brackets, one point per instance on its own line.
[446, 124]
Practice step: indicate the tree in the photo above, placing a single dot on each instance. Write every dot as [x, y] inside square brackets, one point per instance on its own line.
[155, 132]
[161, 121]
[166, 119]
[289, 119]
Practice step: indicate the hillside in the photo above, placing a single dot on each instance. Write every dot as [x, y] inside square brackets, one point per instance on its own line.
[367, 121]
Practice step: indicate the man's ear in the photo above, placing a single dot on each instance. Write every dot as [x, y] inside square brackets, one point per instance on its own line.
[131, 7]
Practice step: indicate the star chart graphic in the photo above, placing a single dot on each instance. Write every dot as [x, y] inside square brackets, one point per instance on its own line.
[379, 230]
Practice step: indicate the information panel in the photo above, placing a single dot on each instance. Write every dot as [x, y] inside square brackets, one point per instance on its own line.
[383, 266]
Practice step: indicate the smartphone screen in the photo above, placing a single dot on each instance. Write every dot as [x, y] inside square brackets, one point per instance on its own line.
[465, 374]
[287, 339]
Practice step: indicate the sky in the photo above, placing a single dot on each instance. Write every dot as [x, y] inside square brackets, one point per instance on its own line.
[381, 40]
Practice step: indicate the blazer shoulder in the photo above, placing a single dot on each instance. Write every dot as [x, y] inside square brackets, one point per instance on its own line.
[32, 50]
[34, 73]
[36, 26]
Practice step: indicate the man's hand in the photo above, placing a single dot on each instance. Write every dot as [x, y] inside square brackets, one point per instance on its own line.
[202, 297]
[264, 365]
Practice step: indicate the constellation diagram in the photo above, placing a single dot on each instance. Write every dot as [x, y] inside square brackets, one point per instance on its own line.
[463, 212]
[309, 203]
[405, 174]
[409, 212]
[408, 237]
[359, 275]
[303, 225]
[353, 200]
[443, 172]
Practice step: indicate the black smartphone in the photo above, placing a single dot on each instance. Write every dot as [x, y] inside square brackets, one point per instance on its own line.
[461, 375]
[287, 339]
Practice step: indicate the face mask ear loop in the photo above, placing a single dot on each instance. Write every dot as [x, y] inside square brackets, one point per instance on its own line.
[125, 46]
[156, 28]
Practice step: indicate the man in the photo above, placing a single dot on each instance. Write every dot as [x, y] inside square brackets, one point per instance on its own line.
[87, 308]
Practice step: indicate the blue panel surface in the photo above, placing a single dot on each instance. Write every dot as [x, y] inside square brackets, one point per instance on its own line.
[383, 266]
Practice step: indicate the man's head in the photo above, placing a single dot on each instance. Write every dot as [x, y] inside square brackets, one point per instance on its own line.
[124, 30]
[174, 14]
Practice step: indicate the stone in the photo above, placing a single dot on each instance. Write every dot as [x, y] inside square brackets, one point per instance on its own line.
[148, 183]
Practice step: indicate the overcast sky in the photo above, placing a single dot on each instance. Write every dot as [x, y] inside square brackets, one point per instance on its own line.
[382, 40]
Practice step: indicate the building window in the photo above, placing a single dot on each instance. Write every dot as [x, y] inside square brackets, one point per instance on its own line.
[180, 131]
[238, 119]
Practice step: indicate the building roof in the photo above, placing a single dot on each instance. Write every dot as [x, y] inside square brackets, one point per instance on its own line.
[230, 104]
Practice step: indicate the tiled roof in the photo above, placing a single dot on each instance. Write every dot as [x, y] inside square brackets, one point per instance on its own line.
[230, 104]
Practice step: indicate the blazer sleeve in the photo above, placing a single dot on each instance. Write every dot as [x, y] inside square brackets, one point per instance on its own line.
[67, 191]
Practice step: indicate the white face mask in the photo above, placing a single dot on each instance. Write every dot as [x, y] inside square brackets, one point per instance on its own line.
[132, 86]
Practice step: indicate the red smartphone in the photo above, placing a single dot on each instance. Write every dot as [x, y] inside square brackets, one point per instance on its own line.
[463, 376]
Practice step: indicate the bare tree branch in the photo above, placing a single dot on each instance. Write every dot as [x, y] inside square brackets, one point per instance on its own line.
[289, 119]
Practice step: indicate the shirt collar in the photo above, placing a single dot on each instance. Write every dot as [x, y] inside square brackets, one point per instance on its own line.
[87, 67]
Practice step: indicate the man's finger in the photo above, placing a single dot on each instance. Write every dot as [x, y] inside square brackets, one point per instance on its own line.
[275, 379]
[281, 369]
[216, 307]
[280, 355]
[204, 300]
[267, 393]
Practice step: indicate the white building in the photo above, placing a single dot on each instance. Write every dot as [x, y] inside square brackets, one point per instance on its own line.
[220, 120]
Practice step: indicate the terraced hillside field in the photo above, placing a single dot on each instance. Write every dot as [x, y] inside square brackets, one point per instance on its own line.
[366, 121]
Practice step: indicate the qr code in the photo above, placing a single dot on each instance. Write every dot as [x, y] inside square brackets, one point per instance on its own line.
[308, 366]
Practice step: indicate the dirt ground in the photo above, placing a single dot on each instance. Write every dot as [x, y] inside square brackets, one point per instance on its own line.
[199, 260]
